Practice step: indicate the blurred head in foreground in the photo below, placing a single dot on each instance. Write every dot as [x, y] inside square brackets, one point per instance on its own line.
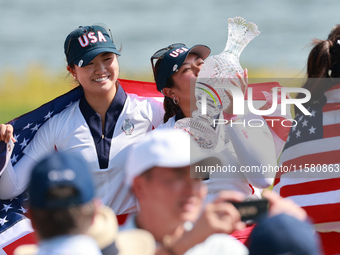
[158, 172]
[61, 192]
[63, 205]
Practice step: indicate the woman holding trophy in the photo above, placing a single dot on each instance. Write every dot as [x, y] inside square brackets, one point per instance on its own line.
[177, 72]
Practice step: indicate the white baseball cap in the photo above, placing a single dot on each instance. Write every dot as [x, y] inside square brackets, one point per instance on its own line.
[166, 147]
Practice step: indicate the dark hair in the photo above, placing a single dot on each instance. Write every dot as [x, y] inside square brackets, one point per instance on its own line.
[323, 62]
[169, 106]
[75, 219]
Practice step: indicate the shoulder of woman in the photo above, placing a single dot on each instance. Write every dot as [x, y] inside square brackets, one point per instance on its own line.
[147, 99]
[69, 110]
[148, 107]
[61, 117]
[144, 103]
[169, 124]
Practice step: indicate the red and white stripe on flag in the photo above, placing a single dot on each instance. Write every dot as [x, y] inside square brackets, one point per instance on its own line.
[20, 233]
[313, 148]
[141, 88]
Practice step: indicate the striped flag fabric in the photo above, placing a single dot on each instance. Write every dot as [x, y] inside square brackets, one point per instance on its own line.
[310, 162]
[15, 227]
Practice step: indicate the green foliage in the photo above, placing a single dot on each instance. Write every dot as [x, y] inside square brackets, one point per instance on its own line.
[36, 86]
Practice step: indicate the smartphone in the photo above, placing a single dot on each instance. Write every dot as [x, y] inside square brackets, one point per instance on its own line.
[250, 210]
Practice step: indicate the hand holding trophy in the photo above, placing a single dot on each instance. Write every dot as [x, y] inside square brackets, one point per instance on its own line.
[215, 74]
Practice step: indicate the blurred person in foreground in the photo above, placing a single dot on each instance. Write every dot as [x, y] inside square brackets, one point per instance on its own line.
[69, 219]
[172, 209]
[171, 203]
[62, 205]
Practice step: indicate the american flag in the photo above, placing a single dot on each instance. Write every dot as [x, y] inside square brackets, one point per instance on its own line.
[15, 227]
[312, 160]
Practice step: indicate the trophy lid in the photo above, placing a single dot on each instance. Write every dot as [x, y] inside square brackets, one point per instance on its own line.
[240, 34]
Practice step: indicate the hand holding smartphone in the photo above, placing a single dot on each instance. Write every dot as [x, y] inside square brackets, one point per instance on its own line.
[250, 210]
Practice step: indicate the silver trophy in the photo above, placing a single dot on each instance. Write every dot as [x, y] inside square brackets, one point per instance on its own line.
[216, 73]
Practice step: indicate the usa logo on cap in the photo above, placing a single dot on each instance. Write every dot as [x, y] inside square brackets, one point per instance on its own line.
[175, 53]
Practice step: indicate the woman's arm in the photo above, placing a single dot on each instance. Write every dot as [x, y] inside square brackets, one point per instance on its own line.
[254, 145]
[255, 150]
[14, 180]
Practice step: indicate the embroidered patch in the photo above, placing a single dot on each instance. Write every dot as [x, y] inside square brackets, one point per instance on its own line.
[128, 127]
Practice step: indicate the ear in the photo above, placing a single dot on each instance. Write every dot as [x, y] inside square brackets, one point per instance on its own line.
[138, 187]
[168, 92]
[71, 70]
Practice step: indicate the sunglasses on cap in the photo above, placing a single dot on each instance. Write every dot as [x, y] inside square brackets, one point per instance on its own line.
[84, 30]
[160, 53]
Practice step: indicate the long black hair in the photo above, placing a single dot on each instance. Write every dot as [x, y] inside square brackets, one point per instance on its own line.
[169, 106]
[323, 62]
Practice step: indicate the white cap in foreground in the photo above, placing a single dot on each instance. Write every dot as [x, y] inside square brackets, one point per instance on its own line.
[170, 148]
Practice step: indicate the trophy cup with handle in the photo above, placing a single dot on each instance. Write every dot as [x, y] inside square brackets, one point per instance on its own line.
[216, 73]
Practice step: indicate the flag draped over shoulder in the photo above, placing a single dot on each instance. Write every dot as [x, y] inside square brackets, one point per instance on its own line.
[15, 227]
[311, 158]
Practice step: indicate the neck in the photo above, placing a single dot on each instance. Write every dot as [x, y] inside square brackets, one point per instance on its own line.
[159, 227]
[188, 107]
[100, 103]
[186, 113]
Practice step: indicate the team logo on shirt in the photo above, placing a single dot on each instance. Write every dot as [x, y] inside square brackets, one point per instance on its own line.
[128, 127]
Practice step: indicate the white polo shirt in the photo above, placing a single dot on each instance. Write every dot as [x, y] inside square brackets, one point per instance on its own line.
[77, 130]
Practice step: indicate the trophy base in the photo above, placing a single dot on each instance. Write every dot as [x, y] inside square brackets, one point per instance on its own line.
[203, 134]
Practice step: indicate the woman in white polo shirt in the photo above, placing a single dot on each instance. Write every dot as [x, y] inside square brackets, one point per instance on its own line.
[101, 126]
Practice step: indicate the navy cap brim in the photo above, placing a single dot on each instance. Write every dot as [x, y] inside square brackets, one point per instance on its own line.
[170, 65]
[87, 58]
[200, 50]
